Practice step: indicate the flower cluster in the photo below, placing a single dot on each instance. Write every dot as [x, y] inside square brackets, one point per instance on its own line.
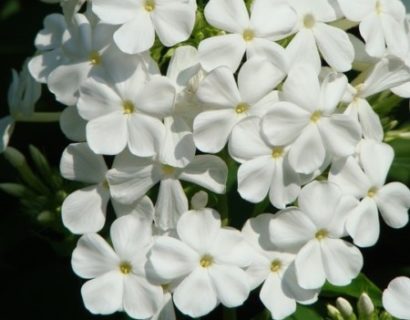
[285, 89]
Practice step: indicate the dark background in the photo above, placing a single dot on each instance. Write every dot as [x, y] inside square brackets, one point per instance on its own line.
[37, 282]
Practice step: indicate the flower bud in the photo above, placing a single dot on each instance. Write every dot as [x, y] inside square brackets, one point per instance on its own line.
[365, 306]
[334, 313]
[345, 308]
[199, 200]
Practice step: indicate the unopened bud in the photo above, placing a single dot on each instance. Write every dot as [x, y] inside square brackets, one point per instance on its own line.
[345, 308]
[365, 306]
[199, 200]
[334, 314]
[385, 316]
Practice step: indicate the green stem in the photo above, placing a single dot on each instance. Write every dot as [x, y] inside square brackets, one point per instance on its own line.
[229, 314]
[40, 117]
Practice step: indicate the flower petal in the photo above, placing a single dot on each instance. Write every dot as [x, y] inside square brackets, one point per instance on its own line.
[229, 15]
[396, 298]
[309, 266]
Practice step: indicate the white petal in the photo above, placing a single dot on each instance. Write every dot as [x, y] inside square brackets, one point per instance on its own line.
[363, 224]
[256, 232]
[226, 50]
[72, 125]
[396, 298]
[141, 298]
[284, 123]
[356, 10]
[291, 229]
[343, 210]
[395, 36]
[184, 64]
[79, 163]
[213, 128]
[275, 300]
[231, 284]
[393, 201]
[171, 258]
[104, 295]
[230, 15]
[246, 142]
[196, 296]
[372, 32]
[335, 46]
[84, 210]
[342, 261]
[255, 178]
[376, 159]
[115, 13]
[43, 64]
[173, 22]
[171, 203]
[332, 90]
[309, 266]
[340, 133]
[93, 257]
[308, 152]
[6, 129]
[167, 311]
[107, 134]
[199, 228]
[141, 32]
[207, 171]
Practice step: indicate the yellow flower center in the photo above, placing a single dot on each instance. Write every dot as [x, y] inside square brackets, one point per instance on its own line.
[149, 5]
[277, 152]
[166, 287]
[372, 192]
[206, 261]
[94, 58]
[309, 21]
[105, 184]
[168, 170]
[276, 265]
[128, 107]
[321, 234]
[125, 268]
[315, 117]
[379, 8]
[248, 35]
[241, 108]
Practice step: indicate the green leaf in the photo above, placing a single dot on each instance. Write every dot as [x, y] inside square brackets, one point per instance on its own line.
[10, 8]
[400, 169]
[305, 313]
[355, 289]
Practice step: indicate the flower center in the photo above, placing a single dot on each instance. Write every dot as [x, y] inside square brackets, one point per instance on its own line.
[315, 117]
[379, 8]
[168, 170]
[128, 107]
[206, 261]
[276, 265]
[105, 184]
[166, 287]
[149, 5]
[241, 108]
[321, 234]
[94, 58]
[309, 21]
[125, 267]
[277, 152]
[248, 35]
[372, 192]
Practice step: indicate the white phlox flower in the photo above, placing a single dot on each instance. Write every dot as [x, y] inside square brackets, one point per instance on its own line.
[396, 298]
[308, 119]
[84, 210]
[386, 74]
[118, 279]
[403, 90]
[226, 103]
[70, 7]
[139, 20]
[365, 179]
[208, 261]
[381, 24]
[126, 110]
[313, 231]
[314, 35]
[255, 34]
[264, 168]
[275, 270]
[132, 177]
[22, 95]
[72, 125]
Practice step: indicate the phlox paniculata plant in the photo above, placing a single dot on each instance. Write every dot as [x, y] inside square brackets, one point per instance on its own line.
[176, 107]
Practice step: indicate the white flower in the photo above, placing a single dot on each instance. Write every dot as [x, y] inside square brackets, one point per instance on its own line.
[84, 210]
[72, 125]
[22, 96]
[207, 259]
[387, 73]
[264, 167]
[118, 277]
[313, 231]
[396, 298]
[269, 20]
[139, 20]
[365, 179]
[126, 111]
[226, 103]
[309, 120]
[314, 35]
[131, 177]
[381, 24]
[279, 291]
